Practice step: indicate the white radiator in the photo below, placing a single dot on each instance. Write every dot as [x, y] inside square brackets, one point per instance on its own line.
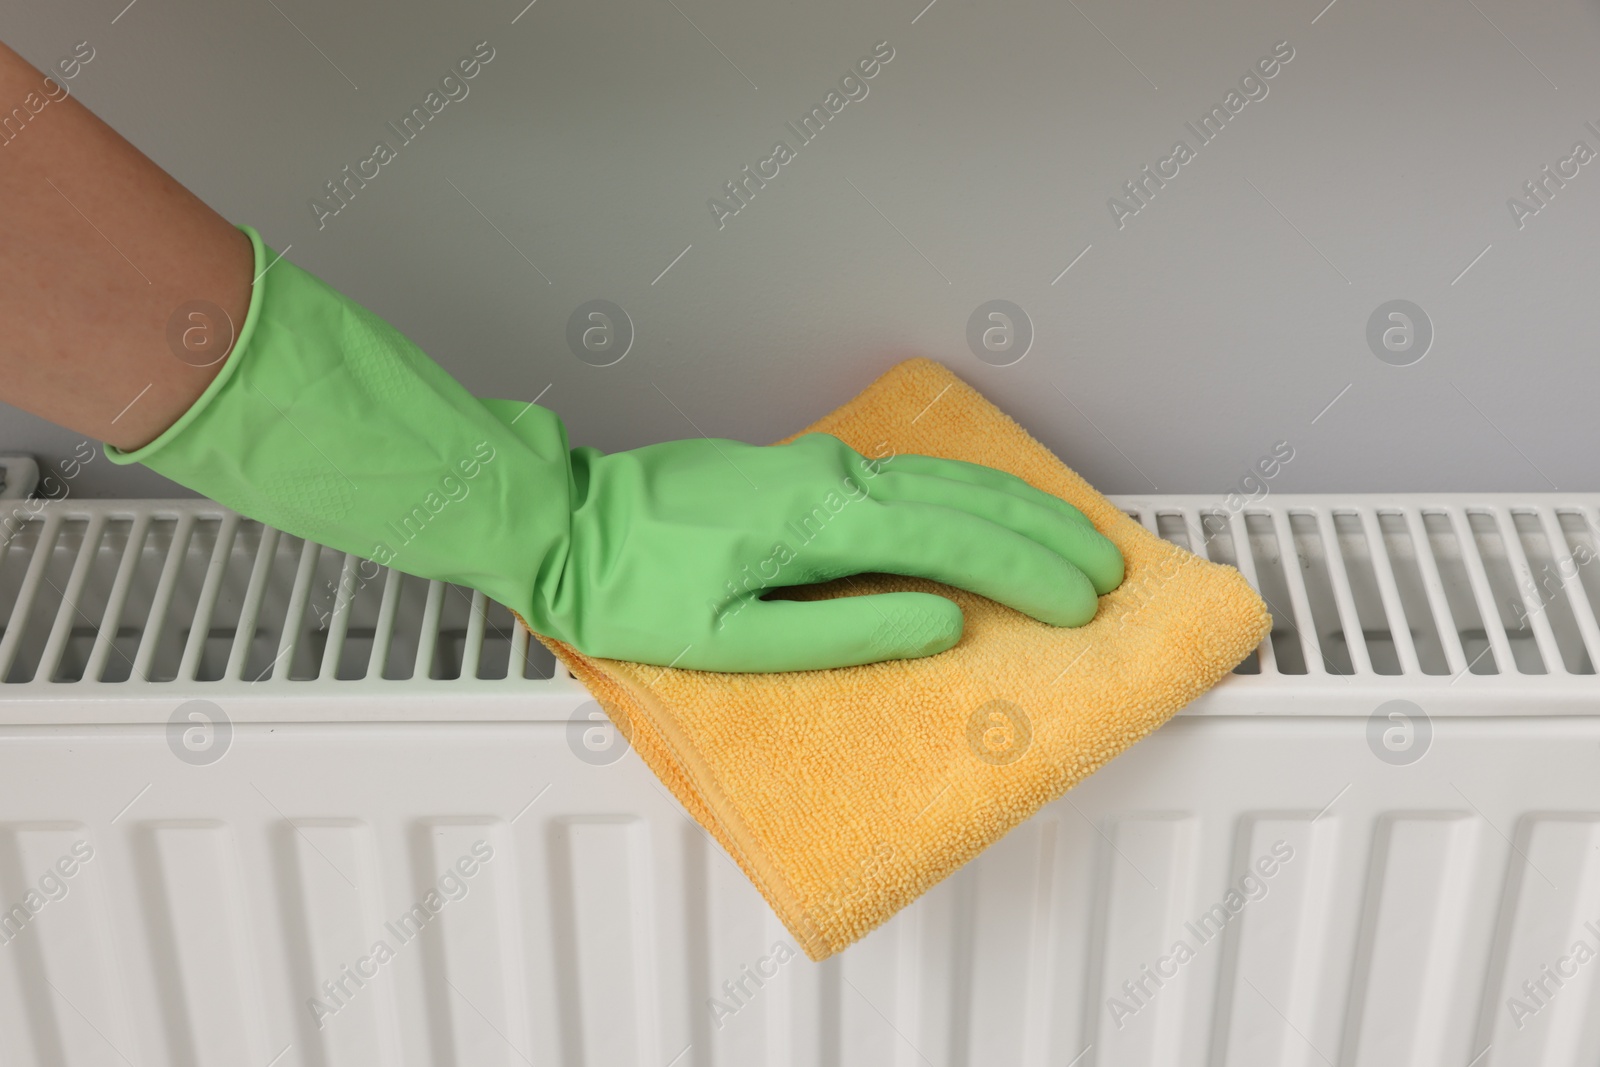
[227, 775]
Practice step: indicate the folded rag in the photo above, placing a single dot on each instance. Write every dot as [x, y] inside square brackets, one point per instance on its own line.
[846, 794]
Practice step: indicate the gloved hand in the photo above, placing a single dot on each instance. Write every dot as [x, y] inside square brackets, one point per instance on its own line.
[327, 423]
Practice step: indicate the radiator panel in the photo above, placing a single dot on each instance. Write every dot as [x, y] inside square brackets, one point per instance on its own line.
[230, 910]
[352, 821]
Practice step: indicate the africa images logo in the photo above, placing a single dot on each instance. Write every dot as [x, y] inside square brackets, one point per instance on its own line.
[1252, 87]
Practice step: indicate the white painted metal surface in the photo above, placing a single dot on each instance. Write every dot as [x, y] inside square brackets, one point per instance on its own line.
[226, 776]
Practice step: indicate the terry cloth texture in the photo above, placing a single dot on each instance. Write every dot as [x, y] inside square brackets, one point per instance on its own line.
[846, 794]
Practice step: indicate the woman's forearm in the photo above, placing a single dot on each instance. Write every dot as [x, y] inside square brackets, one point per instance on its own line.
[118, 286]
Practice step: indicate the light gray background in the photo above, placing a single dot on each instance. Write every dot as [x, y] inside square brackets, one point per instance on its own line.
[1223, 318]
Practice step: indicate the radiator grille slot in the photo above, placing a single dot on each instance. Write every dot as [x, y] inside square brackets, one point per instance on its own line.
[1378, 637]
[1264, 545]
[1494, 549]
[1450, 555]
[163, 591]
[1409, 586]
[1413, 590]
[1542, 589]
[1398, 546]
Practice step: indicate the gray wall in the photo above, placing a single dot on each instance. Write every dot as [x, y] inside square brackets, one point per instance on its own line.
[1223, 317]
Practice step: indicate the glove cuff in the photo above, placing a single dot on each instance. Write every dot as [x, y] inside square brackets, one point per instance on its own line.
[240, 343]
[328, 423]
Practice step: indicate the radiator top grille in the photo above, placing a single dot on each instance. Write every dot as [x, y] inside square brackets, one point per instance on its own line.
[1481, 603]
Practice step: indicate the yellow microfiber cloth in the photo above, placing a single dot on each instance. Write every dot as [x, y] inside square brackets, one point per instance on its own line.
[846, 794]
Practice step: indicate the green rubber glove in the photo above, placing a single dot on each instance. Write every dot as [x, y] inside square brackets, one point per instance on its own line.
[328, 424]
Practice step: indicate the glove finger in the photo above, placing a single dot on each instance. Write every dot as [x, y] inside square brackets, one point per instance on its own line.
[1075, 540]
[977, 474]
[806, 635]
[958, 548]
